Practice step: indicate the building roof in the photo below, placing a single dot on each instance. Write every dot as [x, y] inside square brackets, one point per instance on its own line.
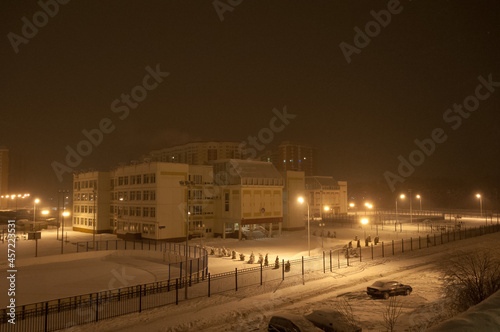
[319, 182]
[254, 169]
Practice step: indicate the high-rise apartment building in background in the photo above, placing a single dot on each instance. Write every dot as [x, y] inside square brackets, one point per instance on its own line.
[296, 157]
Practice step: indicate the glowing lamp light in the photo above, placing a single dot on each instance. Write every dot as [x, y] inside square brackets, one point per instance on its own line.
[402, 196]
[478, 196]
[301, 200]
[45, 212]
[364, 221]
[65, 214]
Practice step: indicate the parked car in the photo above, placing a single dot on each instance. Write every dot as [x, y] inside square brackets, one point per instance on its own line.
[385, 288]
[331, 321]
[285, 322]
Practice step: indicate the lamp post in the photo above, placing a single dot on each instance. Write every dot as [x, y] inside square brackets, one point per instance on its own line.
[64, 192]
[301, 201]
[411, 199]
[420, 200]
[93, 221]
[364, 221]
[188, 185]
[480, 204]
[397, 216]
[34, 225]
[322, 224]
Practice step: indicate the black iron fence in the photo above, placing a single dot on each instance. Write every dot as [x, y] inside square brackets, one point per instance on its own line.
[78, 310]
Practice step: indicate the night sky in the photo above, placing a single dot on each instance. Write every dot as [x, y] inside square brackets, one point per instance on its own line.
[226, 77]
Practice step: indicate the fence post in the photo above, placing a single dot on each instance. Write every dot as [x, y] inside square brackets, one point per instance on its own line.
[283, 269]
[411, 244]
[393, 247]
[330, 260]
[360, 258]
[190, 271]
[324, 262]
[402, 245]
[347, 256]
[236, 277]
[338, 258]
[177, 291]
[97, 307]
[372, 251]
[140, 298]
[208, 284]
[383, 253]
[46, 315]
[261, 273]
[180, 275]
[303, 281]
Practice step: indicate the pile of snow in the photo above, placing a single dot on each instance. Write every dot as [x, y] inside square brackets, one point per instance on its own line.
[482, 317]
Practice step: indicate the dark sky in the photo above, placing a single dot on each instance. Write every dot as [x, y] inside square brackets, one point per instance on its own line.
[227, 76]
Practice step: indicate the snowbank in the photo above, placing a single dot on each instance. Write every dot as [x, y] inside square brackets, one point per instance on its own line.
[482, 317]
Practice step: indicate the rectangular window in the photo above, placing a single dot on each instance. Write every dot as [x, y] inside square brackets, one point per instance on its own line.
[125, 211]
[138, 195]
[153, 212]
[139, 177]
[125, 180]
[120, 181]
[132, 195]
[132, 212]
[153, 178]
[145, 195]
[146, 178]
[138, 211]
[145, 212]
[132, 179]
[90, 208]
[153, 195]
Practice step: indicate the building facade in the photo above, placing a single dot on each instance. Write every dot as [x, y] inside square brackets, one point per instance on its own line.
[91, 201]
[249, 193]
[324, 192]
[296, 157]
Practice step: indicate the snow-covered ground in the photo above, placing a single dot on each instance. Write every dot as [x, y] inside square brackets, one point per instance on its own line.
[49, 277]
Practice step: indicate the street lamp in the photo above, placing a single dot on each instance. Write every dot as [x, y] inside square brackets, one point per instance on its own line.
[402, 196]
[64, 192]
[480, 204]
[420, 199]
[322, 224]
[301, 201]
[364, 222]
[188, 185]
[34, 210]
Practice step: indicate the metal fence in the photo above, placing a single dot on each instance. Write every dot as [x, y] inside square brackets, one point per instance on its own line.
[78, 310]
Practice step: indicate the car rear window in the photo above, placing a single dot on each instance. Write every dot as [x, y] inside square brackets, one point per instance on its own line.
[378, 284]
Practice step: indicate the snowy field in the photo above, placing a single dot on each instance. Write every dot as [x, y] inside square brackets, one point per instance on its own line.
[53, 276]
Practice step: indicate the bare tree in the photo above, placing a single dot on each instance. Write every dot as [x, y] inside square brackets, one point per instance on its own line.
[471, 277]
[391, 313]
[345, 309]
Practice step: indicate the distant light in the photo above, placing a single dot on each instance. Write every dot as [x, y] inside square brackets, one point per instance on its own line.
[327, 208]
[37, 201]
[301, 200]
[121, 198]
[304, 158]
[65, 214]
[19, 195]
[364, 221]
[291, 160]
[418, 196]
[402, 196]
[284, 161]
[351, 204]
[478, 196]
[45, 212]
[300, 161]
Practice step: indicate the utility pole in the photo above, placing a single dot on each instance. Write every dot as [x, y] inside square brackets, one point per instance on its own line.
[64, 192]
[94, 221]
